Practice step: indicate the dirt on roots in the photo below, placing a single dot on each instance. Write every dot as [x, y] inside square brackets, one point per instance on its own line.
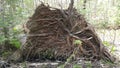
[56, 34]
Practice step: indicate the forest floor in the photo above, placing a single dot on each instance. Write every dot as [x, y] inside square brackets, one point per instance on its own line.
[110, 36]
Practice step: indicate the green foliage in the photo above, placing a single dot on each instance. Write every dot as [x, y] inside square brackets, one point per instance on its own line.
[101, 13]
[15, 43]
[8, 19]
[77, 66]
[111, 46]
[106, 43]
[77, 42]
[112, 49]
[2, 39]
[106, 62]
[89, 65]
[104, 24]
[117, 20]
[5, 54]
[14, 13]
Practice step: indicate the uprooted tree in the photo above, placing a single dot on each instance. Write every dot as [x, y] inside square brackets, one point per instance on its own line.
[53, 32]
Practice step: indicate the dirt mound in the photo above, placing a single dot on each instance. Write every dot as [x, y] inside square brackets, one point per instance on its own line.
[56, 34]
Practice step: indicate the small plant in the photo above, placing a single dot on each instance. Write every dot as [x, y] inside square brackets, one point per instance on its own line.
[111, 46]
[77, 42]
[15, 43]
[106, 43]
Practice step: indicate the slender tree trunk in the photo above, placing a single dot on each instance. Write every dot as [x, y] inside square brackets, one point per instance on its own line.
[84, 4]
